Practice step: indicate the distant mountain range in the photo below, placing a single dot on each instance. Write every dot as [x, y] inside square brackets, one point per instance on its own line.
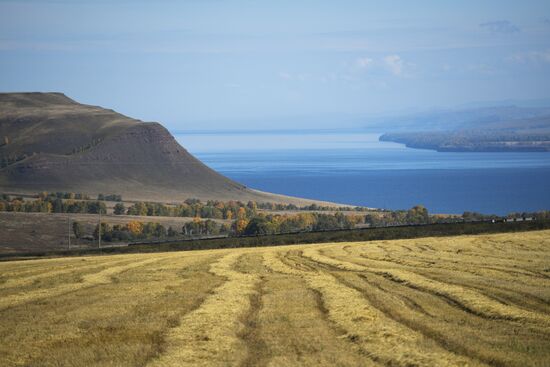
[487, 129]
[48, 142]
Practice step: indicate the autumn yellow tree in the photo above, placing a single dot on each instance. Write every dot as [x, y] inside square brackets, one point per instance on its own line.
[355, 219]
[135, 227]
[69, 202]
[16, 205]
[240, 225]
[241, 213]
[306, 220]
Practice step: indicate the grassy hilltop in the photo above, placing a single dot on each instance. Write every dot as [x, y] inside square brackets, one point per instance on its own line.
[48, 142]
[469, 300]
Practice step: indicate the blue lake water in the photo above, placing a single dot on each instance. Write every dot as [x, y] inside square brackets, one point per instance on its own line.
[355, 168]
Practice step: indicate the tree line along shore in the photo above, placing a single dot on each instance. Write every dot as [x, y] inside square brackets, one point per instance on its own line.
[218, 218]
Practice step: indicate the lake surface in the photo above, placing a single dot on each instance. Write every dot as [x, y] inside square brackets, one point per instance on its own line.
[354, 168]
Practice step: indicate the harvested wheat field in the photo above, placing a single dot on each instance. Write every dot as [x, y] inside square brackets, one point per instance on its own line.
[448, 301]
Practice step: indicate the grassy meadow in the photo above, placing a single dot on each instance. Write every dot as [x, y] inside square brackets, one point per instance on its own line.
[479, 300]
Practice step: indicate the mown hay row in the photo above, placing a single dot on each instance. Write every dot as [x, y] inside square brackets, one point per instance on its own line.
[382, 339]
[24, 268]
[293, 328]
[209, 335]
[101, 277]
[471, 300]
[453, 263]
[538, 241]
[117, 324]
[55, 272]
[458, 251]
[505, 283]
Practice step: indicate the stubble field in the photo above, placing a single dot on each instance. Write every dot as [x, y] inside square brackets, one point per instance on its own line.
[457, 301]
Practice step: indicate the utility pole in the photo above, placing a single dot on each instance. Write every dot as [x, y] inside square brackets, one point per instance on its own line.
[99, 227]
[69, 233]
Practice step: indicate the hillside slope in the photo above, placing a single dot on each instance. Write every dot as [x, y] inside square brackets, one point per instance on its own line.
[53, 123]
[50, 142]
[496, 133]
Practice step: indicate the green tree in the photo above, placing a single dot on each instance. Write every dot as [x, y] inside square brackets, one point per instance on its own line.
[326, 221]
[172, 232]
[257, 226]
[119, 209]
[138, 208]
[225, 229]
[417, 215]
[106, 232]
[58, 206]
[94, 207]
[210, 227]
[160, 231]
[193, 227]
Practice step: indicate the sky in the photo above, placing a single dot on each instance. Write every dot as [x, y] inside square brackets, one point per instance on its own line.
[207, 64]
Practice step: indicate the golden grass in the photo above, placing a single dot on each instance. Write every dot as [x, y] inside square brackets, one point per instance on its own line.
[89, 280]
[394, 343]
[455, 301]
[209, 335]
[474, 301]
[119, 323]
[30, 278]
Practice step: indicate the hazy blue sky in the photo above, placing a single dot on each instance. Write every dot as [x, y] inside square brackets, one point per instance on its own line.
[242, 64]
